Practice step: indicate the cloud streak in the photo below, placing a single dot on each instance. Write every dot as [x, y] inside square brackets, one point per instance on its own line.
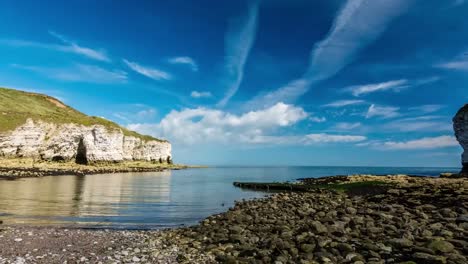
[79, 73]
[68, 46]
[239, 41]
[149, 72]
[359, 90]
[197, 94]
[394, 85]
[343, 103]
[423, 143]
[382, 111]
[73, 47]
[185, 61]
[357, 24]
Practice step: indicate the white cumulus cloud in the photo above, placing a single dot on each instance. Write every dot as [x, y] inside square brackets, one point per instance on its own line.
[199, 125]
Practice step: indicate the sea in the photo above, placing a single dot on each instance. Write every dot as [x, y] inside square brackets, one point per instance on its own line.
[152, 200]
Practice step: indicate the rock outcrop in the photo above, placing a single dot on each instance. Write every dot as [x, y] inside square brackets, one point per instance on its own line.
[460, 125]
[83, 144]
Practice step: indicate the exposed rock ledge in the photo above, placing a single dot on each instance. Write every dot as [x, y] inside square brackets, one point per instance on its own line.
[83, 144]
[460, 125]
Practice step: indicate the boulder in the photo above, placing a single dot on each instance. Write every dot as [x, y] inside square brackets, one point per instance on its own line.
[460, 125]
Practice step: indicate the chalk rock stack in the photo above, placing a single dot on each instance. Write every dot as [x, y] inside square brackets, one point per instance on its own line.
[460, 125]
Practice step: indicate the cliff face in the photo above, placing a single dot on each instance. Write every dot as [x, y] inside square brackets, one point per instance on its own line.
[83, 144]
[460, 125]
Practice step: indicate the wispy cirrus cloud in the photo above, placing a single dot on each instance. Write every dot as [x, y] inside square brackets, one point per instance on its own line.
[135, 113]
[358, 90]
[459, 63]
[73, 47]
[382, 111]
[357, 24]
[343, 103]
[393, 85]
[419, 124]
[317, 119]
[238, 43]
[425, 109]
[150, 72]
[346, 125]
[327, 138]
[197, 94]
[78, 73]
[185, 61]
[423, 143]
[67, 47]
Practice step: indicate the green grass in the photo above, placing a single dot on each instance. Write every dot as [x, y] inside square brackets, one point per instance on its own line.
[17, 106]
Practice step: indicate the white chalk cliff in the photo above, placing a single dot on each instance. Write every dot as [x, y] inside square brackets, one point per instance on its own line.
[460, 125]
[83, 144]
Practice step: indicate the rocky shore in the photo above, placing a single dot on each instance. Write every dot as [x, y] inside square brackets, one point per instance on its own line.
[411, 220]
[407, 220]
[12, 169]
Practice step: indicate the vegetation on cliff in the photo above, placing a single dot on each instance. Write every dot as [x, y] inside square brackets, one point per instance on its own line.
[17, 106]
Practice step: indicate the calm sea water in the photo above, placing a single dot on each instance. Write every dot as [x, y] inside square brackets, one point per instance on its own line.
[150, 200]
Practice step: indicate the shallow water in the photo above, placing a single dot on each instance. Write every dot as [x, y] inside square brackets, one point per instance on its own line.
[150, 200]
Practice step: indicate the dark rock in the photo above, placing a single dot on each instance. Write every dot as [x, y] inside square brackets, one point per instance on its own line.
[428, 259]
[318, 227]
[460, 126]
[401, 242]
[441, 246]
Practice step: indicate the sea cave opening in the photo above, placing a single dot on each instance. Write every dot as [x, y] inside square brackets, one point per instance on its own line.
[81, 157]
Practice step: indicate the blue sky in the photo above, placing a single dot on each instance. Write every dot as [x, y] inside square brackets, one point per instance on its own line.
[356, 82]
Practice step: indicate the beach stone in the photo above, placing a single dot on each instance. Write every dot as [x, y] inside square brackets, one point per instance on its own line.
[441, 246]
[308, 248]
[401, 242]
[460, 126]
[420, 257]
[318, 227]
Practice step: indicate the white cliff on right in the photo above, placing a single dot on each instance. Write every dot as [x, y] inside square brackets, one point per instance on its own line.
[460, 125]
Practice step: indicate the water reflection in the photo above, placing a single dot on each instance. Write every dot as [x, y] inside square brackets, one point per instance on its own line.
[150, 200]
[81, 199]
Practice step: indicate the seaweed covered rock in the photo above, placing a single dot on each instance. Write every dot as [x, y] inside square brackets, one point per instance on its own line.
[460, 125]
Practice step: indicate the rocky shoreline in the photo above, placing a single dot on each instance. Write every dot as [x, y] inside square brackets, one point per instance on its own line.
[13, 169]
[407, 220]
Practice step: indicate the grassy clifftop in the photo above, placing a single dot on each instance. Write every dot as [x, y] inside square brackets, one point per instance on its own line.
[17, 106]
